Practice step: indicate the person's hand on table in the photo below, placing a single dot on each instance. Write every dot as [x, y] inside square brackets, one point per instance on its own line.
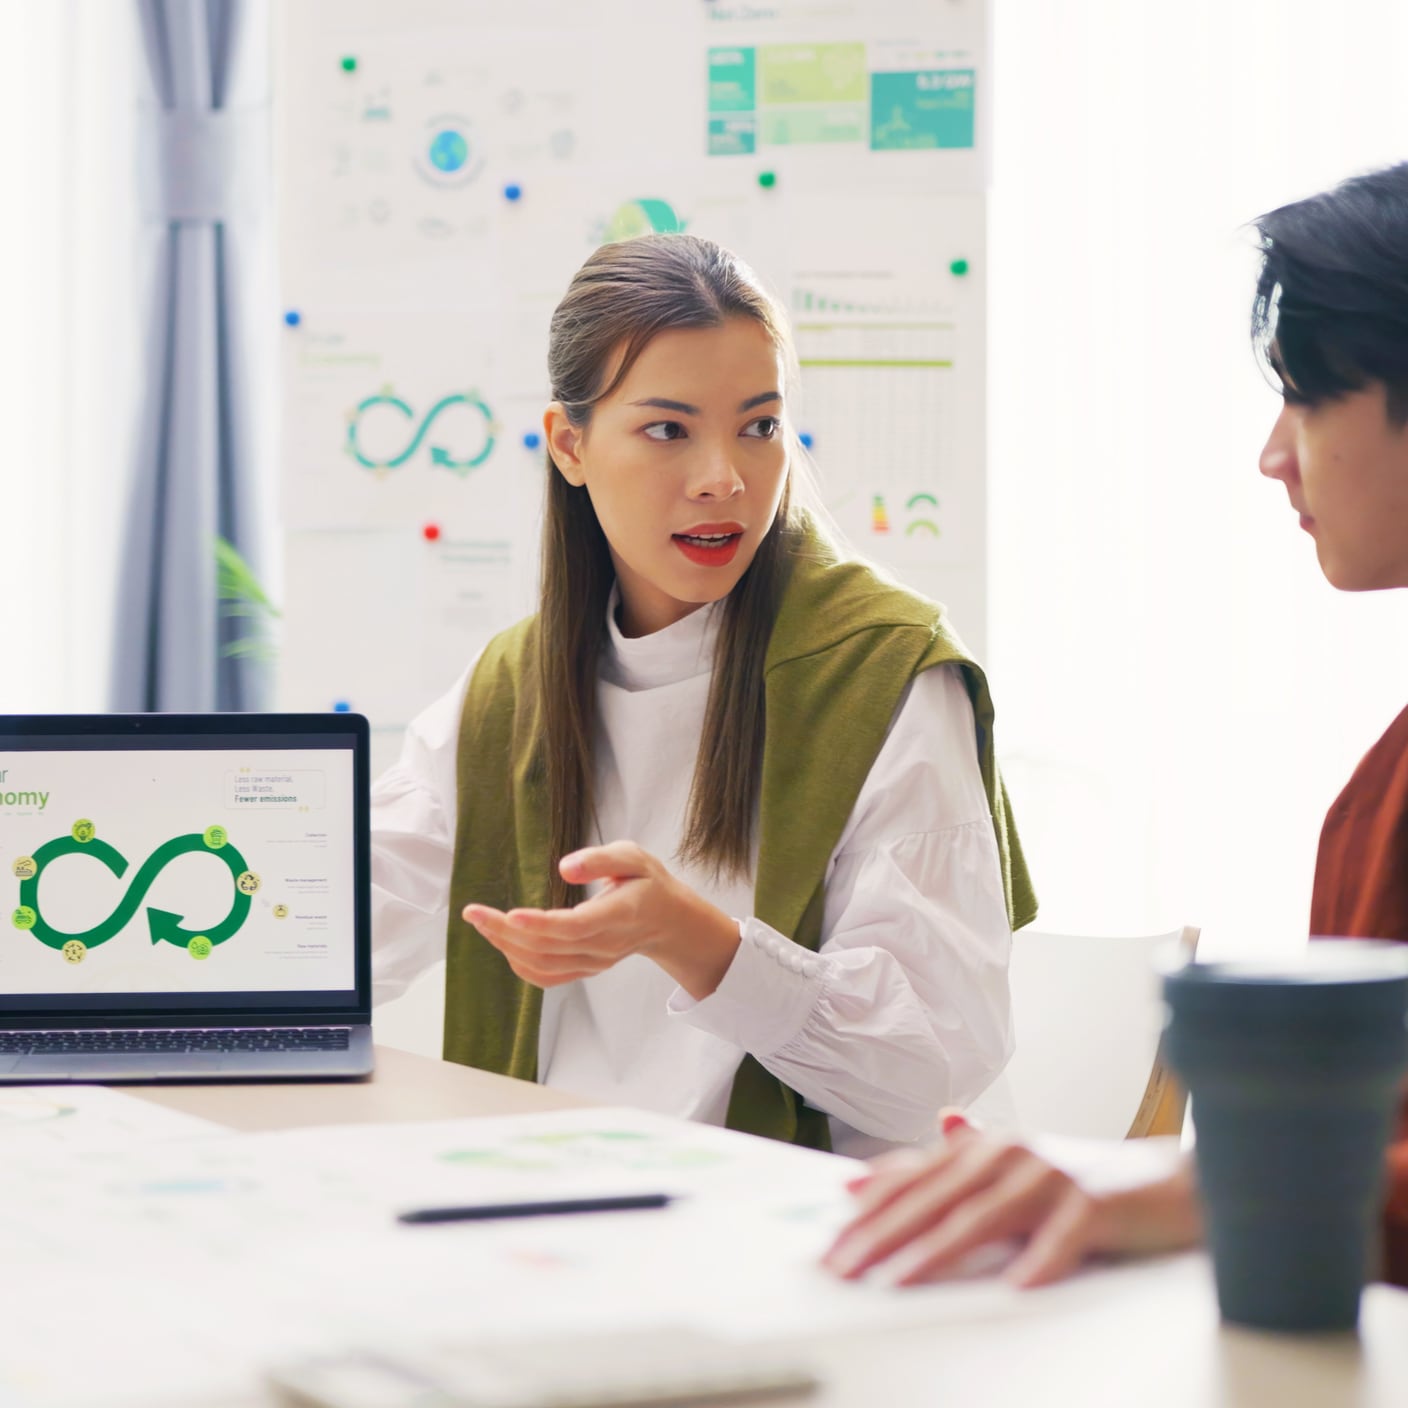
[640, 908]
[919, 1213]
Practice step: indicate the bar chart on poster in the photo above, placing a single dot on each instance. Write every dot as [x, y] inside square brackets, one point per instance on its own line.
[445, 172]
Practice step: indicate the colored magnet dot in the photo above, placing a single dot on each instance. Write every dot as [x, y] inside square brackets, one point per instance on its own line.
[431, 532]
[958, 268]
[513, 191]
[806, 438]
[341, 706]
[767, 179]
[199, 947]
[531, 440]
[349, 64]
[293, 317]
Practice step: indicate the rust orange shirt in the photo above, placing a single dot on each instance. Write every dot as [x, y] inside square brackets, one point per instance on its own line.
[1361, 892]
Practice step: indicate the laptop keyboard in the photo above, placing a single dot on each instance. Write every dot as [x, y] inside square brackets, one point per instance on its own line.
[166, 1041]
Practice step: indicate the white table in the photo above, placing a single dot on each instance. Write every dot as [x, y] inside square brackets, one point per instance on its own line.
[1142, 1334]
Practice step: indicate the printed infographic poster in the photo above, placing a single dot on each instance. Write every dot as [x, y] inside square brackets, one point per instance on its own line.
[884, 97]
[200, 870]
[891, 349]
[406, 151]
[384, 622]
[409, 419]
[843, 83]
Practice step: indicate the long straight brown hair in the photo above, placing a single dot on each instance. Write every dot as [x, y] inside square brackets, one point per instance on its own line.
[622, 297]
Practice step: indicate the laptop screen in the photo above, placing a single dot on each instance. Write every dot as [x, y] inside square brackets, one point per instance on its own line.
[164, 864]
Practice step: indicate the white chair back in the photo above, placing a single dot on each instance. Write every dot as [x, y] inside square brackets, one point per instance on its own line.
[1088, 1017]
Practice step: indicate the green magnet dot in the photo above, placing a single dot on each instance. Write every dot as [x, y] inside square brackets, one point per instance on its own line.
[958, 268]
[767, 179]
[349, 64]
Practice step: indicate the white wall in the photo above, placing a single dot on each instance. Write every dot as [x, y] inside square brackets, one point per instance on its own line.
[69, 294]
[1180, 694]
[415, 1020]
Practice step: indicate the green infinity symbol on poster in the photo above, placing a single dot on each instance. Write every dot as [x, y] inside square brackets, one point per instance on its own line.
[164, 926]
[439, 455]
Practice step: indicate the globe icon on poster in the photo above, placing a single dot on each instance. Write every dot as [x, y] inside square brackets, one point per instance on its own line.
[448, 150]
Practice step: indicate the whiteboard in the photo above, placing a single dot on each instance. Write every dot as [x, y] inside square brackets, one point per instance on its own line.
[443, 174]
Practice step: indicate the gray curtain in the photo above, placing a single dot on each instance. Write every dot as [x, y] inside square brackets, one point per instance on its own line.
[205, 182]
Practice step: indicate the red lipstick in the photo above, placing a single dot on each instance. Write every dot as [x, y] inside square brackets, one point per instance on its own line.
[710, 544]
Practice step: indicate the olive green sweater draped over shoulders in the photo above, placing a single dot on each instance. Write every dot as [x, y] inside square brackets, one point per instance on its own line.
[846, 643]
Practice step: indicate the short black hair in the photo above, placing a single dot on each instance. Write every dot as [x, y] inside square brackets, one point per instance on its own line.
[1331, 308]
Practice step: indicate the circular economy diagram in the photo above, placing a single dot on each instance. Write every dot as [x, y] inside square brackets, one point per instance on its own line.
[163, 926]
[440, 456]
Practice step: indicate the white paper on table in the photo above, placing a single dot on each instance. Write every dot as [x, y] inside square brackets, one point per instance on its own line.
[200, 1263]
[39, 1121]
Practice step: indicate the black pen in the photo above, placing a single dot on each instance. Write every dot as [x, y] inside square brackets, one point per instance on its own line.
[482, 1212]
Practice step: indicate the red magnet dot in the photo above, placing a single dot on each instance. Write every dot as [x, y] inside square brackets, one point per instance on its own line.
[431, 532]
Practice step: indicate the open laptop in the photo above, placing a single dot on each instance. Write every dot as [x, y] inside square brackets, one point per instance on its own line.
[184, 897]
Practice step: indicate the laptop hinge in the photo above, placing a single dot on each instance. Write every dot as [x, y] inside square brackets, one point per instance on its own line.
[108, 1021]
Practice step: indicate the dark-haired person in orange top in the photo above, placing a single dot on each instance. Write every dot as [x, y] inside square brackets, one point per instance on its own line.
[1330, 317]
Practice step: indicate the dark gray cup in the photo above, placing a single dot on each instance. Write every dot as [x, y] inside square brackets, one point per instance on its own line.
[1294, 1071]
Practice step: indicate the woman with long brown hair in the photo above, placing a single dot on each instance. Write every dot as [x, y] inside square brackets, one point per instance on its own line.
[805, 933]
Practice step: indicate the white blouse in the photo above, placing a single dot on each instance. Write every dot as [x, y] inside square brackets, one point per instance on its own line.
[903, 1009]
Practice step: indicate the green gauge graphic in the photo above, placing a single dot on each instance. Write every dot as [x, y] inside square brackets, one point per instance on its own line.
[163, 926]
[922, 525]
[641, 217]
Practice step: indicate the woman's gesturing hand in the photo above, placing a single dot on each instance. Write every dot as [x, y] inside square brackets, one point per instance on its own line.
[921, 1212]
[640, 908]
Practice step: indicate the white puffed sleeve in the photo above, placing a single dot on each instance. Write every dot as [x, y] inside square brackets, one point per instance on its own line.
[413, 841]
[904, 1008]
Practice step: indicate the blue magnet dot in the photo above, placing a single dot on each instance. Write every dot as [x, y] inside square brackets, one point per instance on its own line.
[531, 440]
[806, 438]
[293, 317]
[513, 191]
[341, 706]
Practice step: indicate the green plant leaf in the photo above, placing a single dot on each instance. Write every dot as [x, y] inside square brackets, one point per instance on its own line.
[237, 582]
[248, 649]
[241, 596]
